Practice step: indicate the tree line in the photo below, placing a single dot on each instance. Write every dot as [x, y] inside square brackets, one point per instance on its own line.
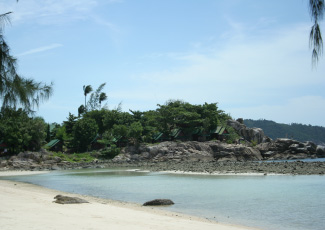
[21, 132]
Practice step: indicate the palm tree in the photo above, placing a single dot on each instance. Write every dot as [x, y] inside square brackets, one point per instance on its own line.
[81, 110]
[16, 91]
[96, 98]
[316, 8]
[102, 97]
[87, 90]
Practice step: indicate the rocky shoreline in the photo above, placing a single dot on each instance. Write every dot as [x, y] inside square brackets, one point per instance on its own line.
[29, 161]
[192, 156]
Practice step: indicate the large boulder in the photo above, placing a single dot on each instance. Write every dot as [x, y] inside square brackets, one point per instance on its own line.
[232, 152]
[158, 202]
[320, 151]
[68, 200]
[35, 156]
[285, 149]
[249, 134]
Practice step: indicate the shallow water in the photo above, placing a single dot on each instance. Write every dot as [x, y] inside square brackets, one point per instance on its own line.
[268, 202]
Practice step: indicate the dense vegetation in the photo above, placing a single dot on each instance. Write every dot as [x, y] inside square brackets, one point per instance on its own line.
[295, 131]
[109, 129]
[19, 132]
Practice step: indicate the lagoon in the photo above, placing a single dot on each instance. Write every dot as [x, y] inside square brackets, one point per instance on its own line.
[267, 202]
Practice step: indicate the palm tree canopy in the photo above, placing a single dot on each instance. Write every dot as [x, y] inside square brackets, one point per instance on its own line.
[102, 97]
[96, 98]
[87, 89]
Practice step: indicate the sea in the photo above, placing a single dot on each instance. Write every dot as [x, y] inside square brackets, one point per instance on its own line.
[272, 202]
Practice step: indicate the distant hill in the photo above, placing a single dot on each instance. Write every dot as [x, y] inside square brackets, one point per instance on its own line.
[295, 131]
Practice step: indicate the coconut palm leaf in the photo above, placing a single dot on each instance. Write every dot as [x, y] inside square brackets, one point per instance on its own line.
[102, 97]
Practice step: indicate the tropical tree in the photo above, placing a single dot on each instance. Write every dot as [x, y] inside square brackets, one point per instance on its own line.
[316, 9]
[20, 132]
[16, 91]
[102, 97]
[87, 89]
[81, 110]
[84, 131]
[96, 98]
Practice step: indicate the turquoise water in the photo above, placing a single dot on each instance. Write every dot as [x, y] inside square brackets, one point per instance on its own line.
[267, 202]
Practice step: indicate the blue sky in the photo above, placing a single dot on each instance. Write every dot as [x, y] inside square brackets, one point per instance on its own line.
[250, 56]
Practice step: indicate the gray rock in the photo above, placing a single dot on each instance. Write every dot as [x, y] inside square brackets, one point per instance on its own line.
[158, 202]
[249, 134]
[68, 200]
[35, 156]
[320, 151]
[55, 167]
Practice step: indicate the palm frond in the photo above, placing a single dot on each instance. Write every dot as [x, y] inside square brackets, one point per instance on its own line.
[316, 10]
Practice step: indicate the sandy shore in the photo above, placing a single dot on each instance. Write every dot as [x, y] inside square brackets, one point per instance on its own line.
[26, 206]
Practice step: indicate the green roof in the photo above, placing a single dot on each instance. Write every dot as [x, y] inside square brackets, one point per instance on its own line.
[175, 132]
[157, 136]
[116, 139]
[219, 130]
[52, 143]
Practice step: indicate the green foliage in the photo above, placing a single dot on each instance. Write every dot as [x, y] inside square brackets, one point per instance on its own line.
[98, 116]
[69, 124]
[254, 143]
[87, 89]
[136, 126]
[20, 132]
[233, 136]
[61, 134]
[96, 98]
[75, 158]
[48, 133]
[179, 114]
[119, 131]
[110, 152]
[135, 132]
[16, 91]
[81, 110]
[84, 132]
[295, 131]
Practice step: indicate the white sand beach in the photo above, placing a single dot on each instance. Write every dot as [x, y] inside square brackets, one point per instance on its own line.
[26, 206]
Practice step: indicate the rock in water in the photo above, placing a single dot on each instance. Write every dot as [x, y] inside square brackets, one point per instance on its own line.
[69, 200]
[157, 202]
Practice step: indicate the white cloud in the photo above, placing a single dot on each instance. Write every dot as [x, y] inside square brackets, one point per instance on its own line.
[50, 11]
[40, 49]
[253, 76]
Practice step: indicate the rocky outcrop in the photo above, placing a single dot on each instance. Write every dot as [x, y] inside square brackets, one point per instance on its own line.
[68, 200]
[43, 160]
[191, 151]
[249, 134]
[286, 149]
[175, 153]
[280, 149]
[32, 161]
[158, 202]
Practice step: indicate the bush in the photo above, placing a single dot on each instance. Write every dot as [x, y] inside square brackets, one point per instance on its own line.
[75, 157]
[110, 152]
